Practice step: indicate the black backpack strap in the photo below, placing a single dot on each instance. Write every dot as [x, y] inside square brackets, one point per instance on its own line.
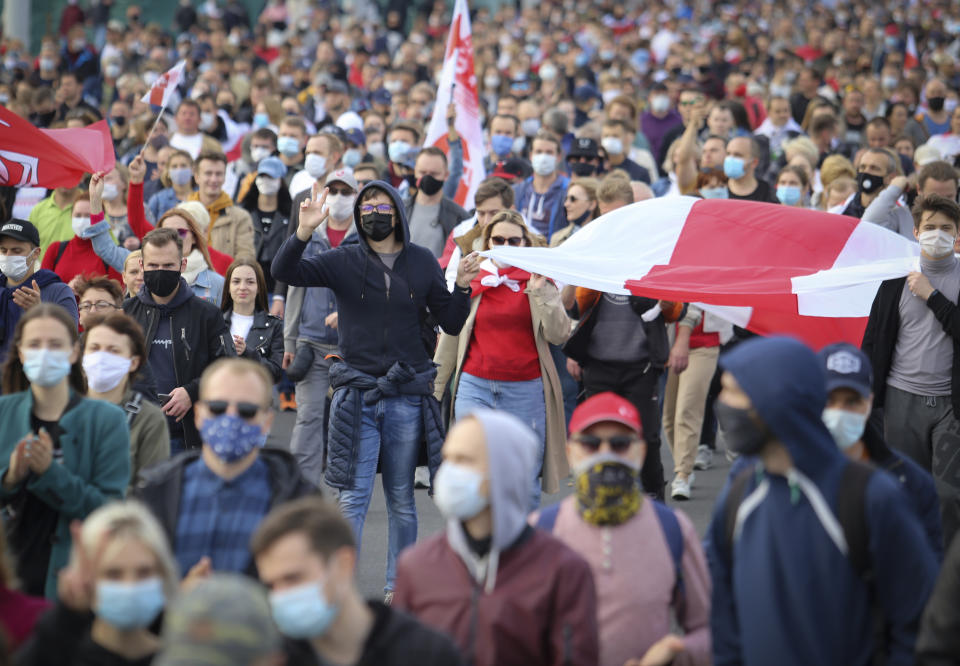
[132, 408]
[738, 488]
[61, 248]
[852, 516]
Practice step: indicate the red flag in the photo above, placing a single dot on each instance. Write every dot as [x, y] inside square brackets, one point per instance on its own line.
[911, 58]
[162, 89]
[31, 157]
[458, 83]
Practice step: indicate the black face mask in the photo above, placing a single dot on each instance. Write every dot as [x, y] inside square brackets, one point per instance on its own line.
[583, 169]
[741, 429]
[936, 103]
[377, 226]
[161, 282]
[430, 185]
[868, 184]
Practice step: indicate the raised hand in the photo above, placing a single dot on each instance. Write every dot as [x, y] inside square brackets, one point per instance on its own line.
[137, 170]
[313, 212]
[96, 192]
[468, 269]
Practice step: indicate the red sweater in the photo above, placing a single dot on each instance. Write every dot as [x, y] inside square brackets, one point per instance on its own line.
[137, 219]
[502, 346]
[700, 339]
[78, 259]
[18, 614]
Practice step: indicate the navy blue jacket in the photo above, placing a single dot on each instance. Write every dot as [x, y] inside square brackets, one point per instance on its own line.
[377, 326]
[789, 594]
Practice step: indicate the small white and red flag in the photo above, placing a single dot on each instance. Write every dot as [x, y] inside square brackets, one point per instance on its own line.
[162, 89]
[911, 58]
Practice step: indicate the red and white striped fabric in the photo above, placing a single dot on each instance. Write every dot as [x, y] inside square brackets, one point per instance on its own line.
[769, 268]
[911, 58]
[162, 89]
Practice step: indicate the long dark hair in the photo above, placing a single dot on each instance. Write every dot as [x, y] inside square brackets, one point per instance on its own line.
[124, 324]
[14, 379]
[226, 301]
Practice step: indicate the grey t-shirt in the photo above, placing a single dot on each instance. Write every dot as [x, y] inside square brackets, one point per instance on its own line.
[923, 357]
[425, 228]
[388, 258]
[618, 334]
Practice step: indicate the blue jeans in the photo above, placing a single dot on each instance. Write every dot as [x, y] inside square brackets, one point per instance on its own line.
[522, 399]
[390, 431]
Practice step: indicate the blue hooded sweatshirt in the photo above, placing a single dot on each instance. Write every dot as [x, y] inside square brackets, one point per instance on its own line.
[378, 326]
[790, 595]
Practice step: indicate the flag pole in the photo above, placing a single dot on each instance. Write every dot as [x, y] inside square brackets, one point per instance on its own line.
[155, 123]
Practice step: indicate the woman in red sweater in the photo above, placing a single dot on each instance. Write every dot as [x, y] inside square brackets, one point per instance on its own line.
[75, 257]
[501, 359]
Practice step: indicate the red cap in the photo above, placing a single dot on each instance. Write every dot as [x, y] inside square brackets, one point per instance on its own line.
[605, 407]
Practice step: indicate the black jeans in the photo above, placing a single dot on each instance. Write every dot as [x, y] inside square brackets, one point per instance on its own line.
[639, 383]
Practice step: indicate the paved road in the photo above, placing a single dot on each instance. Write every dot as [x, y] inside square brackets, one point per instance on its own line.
[373, 557]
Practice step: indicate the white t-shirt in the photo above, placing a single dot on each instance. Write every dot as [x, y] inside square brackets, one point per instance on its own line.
[191, 144]
[301, 181]
[240, 325]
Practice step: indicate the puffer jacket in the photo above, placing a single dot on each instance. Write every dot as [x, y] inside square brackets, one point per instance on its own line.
[350, 386]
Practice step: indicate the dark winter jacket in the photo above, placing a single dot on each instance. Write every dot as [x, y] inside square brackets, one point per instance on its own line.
[268, 240]
[939, 640]
[883, 328]
[378, 326]
[160, 487]
[200, 336]
[785, 592]
[351, 388]
[396, 639]
[264, 341]
[658, 345]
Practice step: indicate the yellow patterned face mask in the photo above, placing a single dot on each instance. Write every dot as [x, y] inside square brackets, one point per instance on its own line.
[607, 490]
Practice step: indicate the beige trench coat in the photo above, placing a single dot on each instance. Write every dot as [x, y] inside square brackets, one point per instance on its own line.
[550, 325]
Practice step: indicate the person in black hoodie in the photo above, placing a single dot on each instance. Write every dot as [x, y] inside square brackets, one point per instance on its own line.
[383, 384]
[306, 555]
[184, 334]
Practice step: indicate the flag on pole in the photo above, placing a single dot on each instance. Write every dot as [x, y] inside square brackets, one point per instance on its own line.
[458, 83]
[769, 268]
[32, 157]
[162, 89]
[911, 59]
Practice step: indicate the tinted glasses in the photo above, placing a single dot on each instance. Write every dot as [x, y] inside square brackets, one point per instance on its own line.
[246, 410]
[512, 241]
[618, 443]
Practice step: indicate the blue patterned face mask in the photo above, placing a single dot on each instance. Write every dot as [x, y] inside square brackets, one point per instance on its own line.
[231, 437]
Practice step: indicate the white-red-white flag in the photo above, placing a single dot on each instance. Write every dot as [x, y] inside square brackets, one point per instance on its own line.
[458, 82]
[911, 58]
[162, 89]
[772, 269]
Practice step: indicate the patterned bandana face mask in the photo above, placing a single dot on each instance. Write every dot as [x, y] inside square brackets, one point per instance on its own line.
[231, 437]
[607, 490]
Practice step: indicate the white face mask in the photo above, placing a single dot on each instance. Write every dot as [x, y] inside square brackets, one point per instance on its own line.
[612, 145]
[258, 153]
[267, 185]
[846, 427]
[208, 120]
[14, 267]
[457, 491]
[936, 244]
[105, 371]
[316, 165]
[341, 206]
[544, 164]
[659, 104]
[110, 191]
[80, 224]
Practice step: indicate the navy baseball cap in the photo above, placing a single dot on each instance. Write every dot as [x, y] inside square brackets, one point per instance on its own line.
[585, 92]
[356, 137]
[381, 96]
[847, 367]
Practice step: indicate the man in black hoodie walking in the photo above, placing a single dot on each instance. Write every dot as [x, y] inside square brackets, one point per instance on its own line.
[383, 404]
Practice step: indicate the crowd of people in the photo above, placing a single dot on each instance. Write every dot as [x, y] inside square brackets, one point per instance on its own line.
[283, 237]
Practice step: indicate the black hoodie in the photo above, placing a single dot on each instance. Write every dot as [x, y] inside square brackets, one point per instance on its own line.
[378, 326]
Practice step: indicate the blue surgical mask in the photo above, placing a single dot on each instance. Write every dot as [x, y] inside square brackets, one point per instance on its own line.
[302, 612]
[846, 427]
[714, 193]
[261, 120]
[288, 145]
[181, 176]
[501, 144]
[130, 605]
[733, 167]
[789, 195]
[457, 491]
[46, 367]
[231, 437]
[397, 150]
[352, 157]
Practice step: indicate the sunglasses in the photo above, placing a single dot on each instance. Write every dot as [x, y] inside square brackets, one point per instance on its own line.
[386, 209]
[618, 443]
[246, 410]
[340, 190]
[512, 241]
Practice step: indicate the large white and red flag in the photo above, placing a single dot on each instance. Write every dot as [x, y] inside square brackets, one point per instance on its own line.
[911, 58]
[458, 82]
[32, 157]
[769, 268]
[162, 89]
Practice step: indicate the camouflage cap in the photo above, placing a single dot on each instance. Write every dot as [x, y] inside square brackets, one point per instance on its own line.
[223, 621]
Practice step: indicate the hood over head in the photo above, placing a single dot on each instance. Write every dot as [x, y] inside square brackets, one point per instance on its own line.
[787, 386]
[401, 210]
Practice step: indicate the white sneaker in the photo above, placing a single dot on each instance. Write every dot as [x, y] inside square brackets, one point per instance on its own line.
[704, 457]
[680, 490]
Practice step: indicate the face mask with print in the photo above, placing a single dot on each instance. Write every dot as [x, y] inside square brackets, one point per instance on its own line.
[267, 185]
[288, 145]
[46, 367]
[80, 224]
[231, 437]
[936, 243]
[341, 206]
[316, 165]
[544, 164]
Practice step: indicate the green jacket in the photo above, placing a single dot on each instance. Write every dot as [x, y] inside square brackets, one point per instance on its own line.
[95, 468]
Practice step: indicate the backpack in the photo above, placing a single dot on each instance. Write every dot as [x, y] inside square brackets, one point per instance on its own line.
[671, 532]
[132, 408]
